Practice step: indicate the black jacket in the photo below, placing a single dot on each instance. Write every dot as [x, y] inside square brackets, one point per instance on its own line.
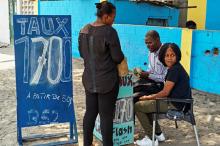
[100, 48]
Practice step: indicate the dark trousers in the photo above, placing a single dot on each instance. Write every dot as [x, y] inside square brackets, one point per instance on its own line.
[104, 105]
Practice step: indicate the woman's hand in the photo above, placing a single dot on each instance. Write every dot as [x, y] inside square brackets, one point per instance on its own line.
[149, 97]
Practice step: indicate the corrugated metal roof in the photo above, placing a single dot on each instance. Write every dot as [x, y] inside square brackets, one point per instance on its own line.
[168, 3]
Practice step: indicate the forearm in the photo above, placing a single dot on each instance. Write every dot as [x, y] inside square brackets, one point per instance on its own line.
[161, 94]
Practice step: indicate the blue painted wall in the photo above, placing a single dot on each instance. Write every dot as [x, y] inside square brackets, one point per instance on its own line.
[212, 15]
[205, 69]
[137, 13]
[131, 36]
[82, 12]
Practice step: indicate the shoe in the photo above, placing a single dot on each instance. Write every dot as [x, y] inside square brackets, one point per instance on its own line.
[146, 141]
[160, 137]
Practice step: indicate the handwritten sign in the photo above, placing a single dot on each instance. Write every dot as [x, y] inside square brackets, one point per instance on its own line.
[123, 128]
[43, 58]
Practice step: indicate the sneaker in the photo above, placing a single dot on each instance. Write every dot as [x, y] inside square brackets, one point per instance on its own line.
[160, 137]
[146, 141]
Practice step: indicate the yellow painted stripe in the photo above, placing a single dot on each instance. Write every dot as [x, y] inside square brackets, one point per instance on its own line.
[198, 14]
[36, 7]
[186, 47]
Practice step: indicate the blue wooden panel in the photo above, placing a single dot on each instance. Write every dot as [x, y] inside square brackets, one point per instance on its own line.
[205, 68]
[43, 70]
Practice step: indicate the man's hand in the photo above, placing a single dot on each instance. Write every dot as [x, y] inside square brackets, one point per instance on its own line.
[144, 75]
[137, 71]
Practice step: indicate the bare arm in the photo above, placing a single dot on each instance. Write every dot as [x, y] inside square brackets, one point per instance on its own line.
[168, 86]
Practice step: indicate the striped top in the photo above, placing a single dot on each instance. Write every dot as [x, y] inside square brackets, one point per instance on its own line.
[156, 68]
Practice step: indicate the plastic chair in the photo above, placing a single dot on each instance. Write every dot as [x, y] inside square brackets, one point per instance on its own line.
[175, 115]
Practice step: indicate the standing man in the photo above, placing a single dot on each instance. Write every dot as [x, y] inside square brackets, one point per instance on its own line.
[152, 80]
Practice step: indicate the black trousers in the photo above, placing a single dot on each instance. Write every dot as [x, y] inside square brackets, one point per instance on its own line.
[104, 105]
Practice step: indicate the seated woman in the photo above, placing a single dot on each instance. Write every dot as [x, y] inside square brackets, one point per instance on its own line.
[176, 86]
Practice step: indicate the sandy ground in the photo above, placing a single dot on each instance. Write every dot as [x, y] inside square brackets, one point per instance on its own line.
[206, 110]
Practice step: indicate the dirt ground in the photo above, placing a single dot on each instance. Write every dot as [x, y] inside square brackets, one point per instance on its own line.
[206, 110]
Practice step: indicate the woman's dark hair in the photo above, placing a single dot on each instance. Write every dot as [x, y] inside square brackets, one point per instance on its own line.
[104, 8]
[163, 51]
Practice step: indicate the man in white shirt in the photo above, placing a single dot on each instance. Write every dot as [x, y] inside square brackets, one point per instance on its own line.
[152, 80]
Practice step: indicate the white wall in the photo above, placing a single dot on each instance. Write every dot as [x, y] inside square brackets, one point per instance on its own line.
[4, 22]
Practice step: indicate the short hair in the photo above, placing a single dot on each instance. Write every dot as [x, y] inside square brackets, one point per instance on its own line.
[163, 51]
[104, 8]
[153, 34]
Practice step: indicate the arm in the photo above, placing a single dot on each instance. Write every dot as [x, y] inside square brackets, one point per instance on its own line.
[80, 45]
[161, 76]
[155, 75]
[115, 47]
[171, 79]
[168, 86]
[82, 39]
